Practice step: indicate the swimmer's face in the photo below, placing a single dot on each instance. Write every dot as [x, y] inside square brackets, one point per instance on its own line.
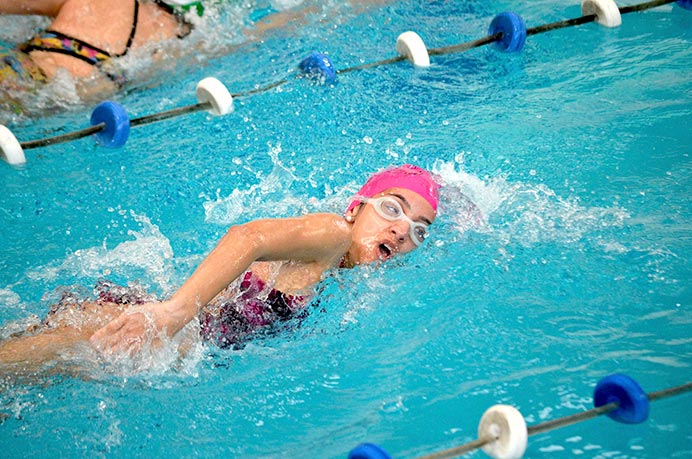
[376, 237]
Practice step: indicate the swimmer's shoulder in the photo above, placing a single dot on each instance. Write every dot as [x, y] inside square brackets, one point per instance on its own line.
[330, 221]
[328, 228]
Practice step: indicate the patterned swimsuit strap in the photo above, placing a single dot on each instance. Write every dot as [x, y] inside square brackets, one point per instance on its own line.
[133, 30]
[58, 42]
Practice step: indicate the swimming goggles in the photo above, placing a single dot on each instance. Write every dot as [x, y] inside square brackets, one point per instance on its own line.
[390, 209]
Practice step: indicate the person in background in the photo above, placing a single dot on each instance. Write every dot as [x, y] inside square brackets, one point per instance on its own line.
[86, 36]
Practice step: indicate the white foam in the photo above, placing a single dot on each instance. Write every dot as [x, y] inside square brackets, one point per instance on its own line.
[8, 298]
[160, 355]
[525, 213]
[17, 29]
[269, 197]
[282, 5]
[147, 255]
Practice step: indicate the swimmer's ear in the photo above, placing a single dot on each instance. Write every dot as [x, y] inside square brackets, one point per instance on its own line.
[351, 215]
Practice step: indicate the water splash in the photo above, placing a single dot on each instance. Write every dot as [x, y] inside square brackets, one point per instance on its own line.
[8, 298]
[148, 255]
[160, 355]
[281, 5]
[270, 197]
[523, 213]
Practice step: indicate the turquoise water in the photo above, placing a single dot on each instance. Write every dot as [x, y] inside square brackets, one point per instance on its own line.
[576, 151]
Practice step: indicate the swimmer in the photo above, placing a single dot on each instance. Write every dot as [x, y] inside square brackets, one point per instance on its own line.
[260, 273]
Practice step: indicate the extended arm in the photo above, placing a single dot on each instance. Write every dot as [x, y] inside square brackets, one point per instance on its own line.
[317, 238]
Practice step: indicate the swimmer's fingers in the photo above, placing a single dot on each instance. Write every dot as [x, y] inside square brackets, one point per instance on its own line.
[106, 336]
[123, 334]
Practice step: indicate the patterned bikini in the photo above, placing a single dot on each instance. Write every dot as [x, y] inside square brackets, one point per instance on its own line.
[18, 63]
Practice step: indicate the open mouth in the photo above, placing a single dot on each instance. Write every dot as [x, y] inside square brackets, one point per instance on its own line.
[385, 251]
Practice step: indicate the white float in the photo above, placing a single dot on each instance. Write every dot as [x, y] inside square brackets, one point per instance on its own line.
[506, 424]
[214, 92]
[12, 151]
[410, 45]
[606, 11]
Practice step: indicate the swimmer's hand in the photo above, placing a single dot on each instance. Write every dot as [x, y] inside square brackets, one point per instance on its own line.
[135, 328]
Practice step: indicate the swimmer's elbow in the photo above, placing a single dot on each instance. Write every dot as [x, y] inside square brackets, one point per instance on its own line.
[247, 240]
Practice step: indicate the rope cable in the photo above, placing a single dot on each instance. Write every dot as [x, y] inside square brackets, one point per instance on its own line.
[460, 450]
[561, 24]
[644, 6]
[63, 137]
[169, 114]
[465, 46]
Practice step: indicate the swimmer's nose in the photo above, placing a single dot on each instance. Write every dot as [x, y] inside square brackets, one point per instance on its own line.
[400, 229]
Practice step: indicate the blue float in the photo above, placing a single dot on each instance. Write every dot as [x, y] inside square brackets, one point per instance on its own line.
[687, 4]
[117, 128]
[318, 66]
[513, 32]
[368, 451]
[633, 403]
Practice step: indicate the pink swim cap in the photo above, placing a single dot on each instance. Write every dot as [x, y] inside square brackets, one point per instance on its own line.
[407, 176]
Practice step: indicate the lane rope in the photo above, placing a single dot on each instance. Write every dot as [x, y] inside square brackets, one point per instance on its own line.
[503, 433]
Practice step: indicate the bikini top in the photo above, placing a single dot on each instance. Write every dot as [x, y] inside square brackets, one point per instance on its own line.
[58, 42]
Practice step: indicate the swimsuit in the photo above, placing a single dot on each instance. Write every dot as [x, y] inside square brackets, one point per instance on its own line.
[240, 312]
[18, 71]
[57, 42]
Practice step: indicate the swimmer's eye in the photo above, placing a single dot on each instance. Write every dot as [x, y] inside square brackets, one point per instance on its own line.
[421, 232]
[391, 208]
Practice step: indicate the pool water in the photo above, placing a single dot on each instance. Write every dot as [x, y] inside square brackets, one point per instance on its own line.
[572, 263]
